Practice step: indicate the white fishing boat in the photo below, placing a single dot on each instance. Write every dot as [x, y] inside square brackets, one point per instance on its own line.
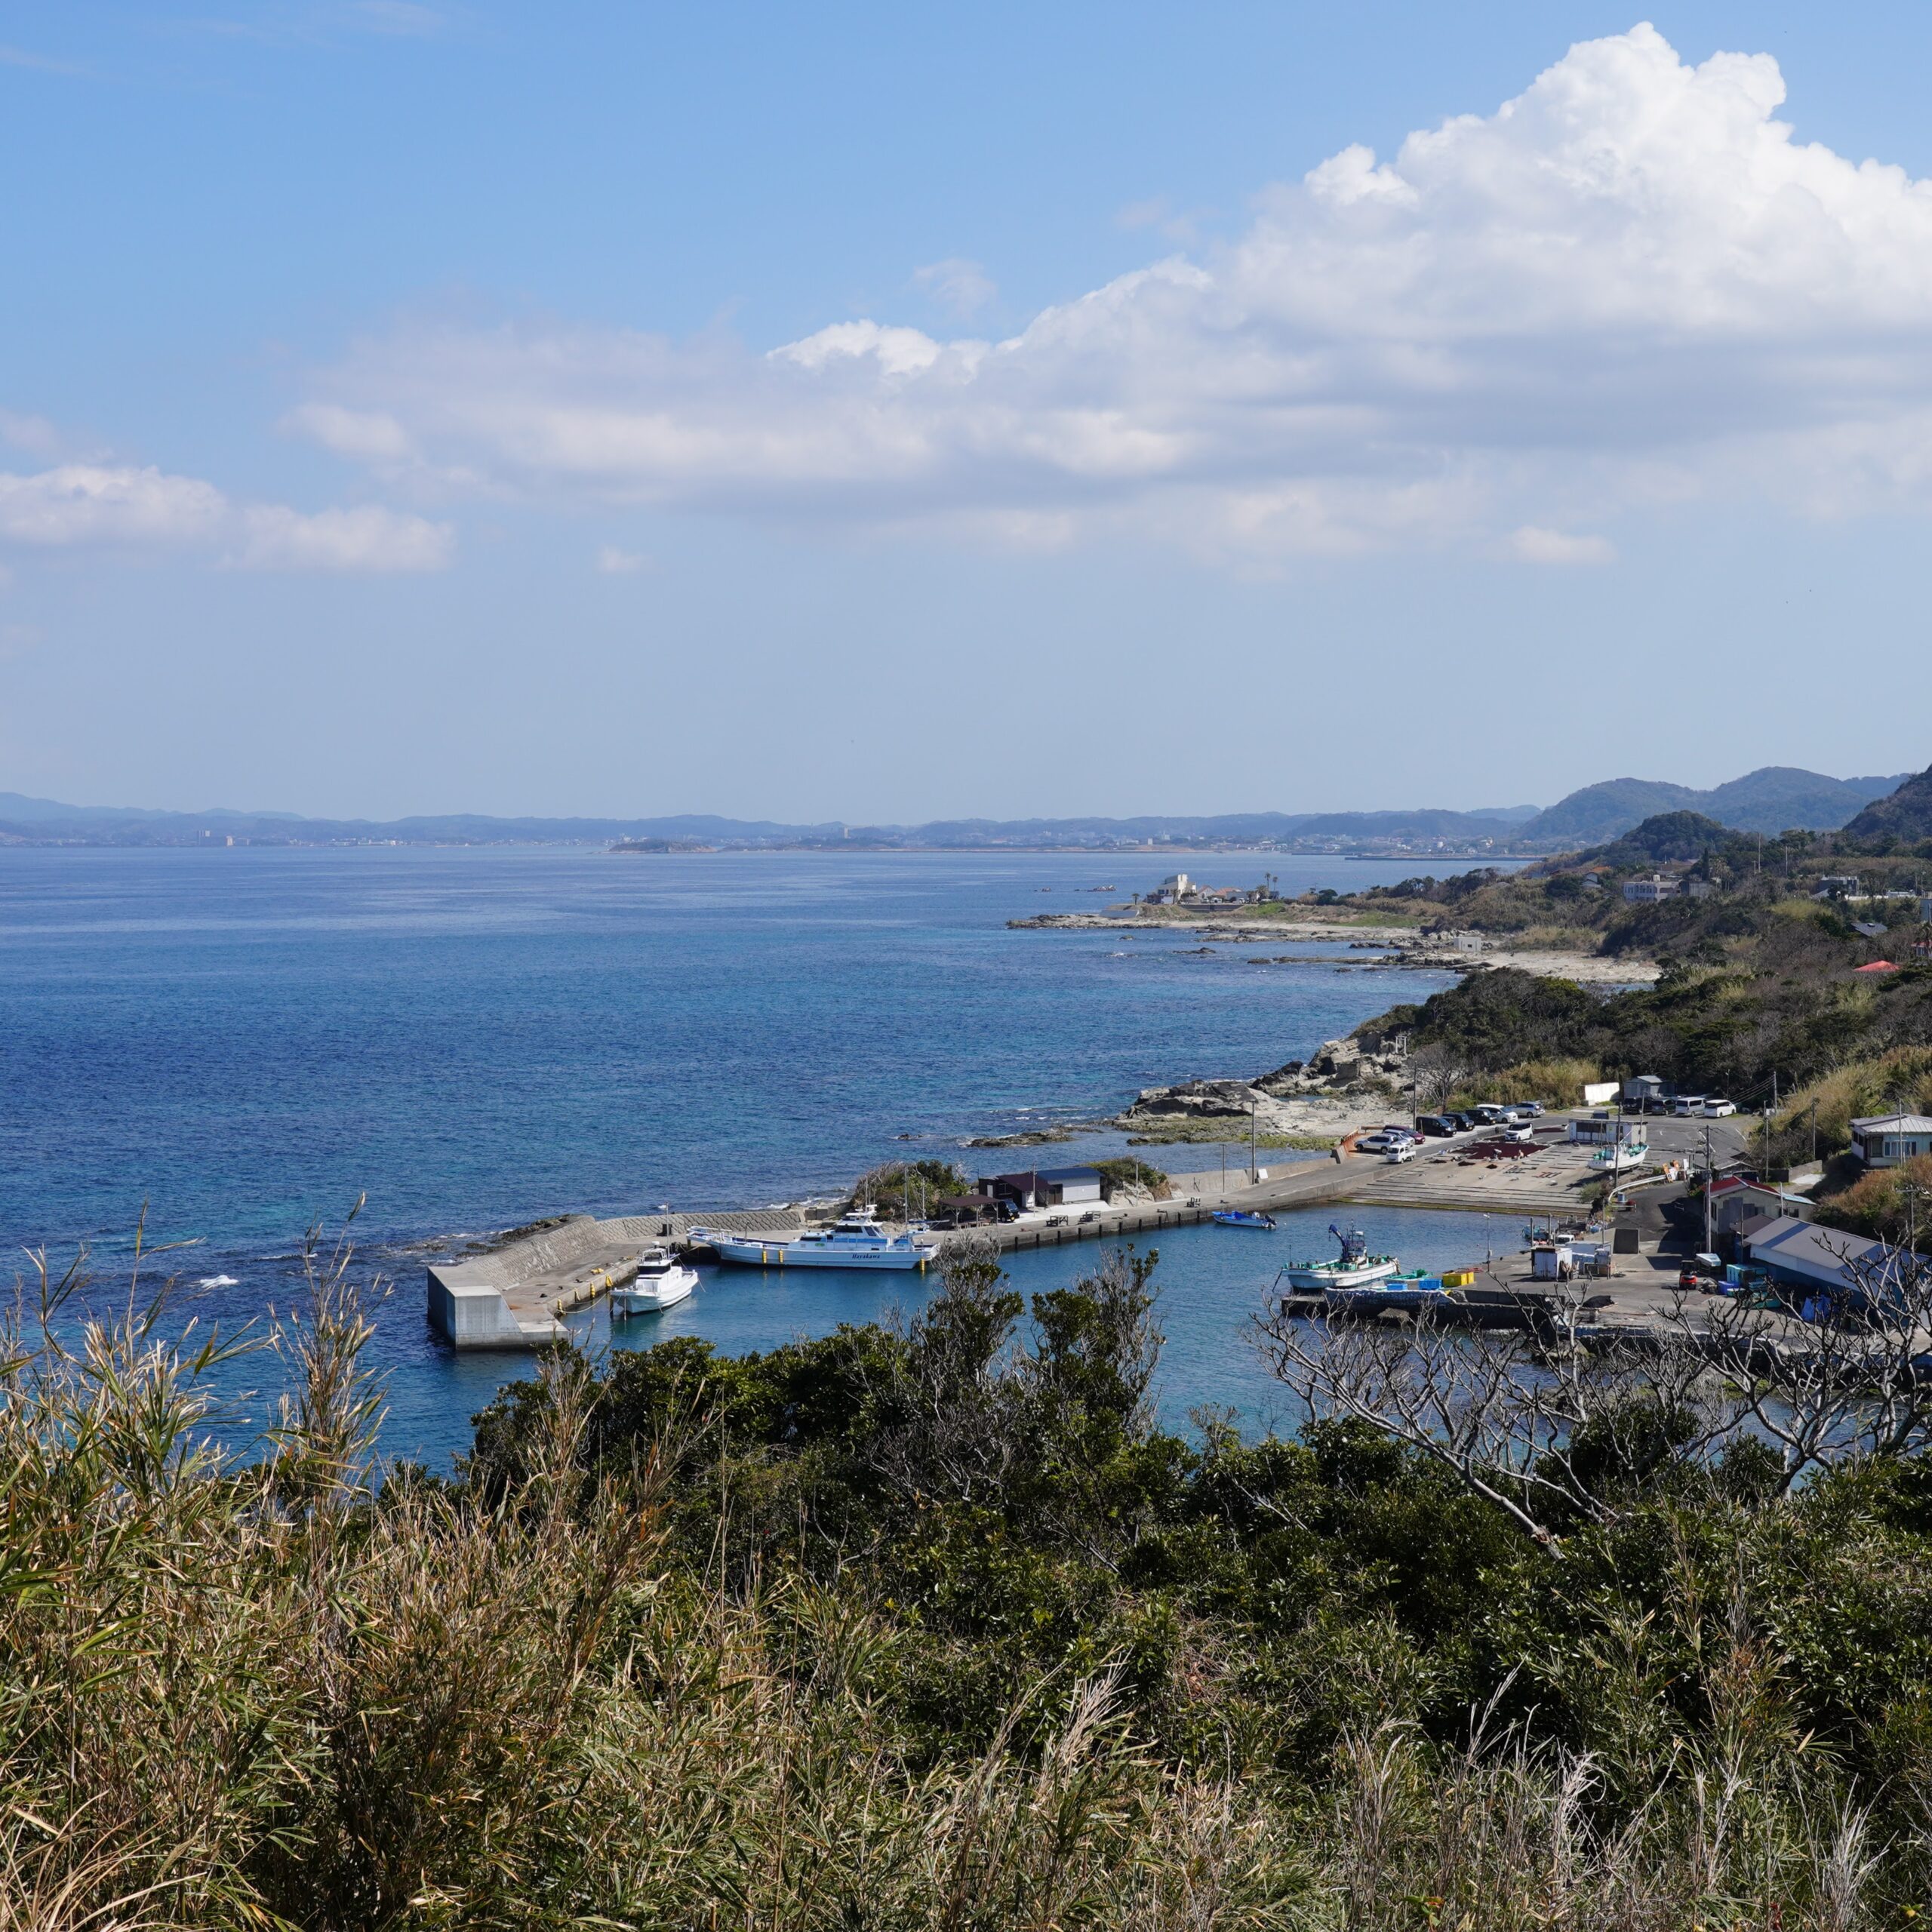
[661, 1282]
[1619, 1157]
[855, 1240]
[1355, 1267]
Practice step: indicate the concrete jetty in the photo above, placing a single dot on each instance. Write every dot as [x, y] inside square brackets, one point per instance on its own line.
[512, 1297]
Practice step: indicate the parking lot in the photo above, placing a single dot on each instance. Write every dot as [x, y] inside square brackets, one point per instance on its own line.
[1556, 1179]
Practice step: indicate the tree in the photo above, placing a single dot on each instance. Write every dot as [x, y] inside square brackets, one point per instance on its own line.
[1566, 1425]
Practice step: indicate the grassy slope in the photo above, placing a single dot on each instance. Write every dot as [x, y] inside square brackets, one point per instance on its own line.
[910, 1630]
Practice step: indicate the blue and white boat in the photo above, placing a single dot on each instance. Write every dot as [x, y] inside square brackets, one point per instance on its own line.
[854, 1241]
[1243, 1217]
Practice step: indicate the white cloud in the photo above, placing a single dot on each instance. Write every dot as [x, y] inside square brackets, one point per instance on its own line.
[370, 434]
[1630, 285]
[961, 287]
[34, 434]
[614, 562]
[97, 506]
[1536, 545]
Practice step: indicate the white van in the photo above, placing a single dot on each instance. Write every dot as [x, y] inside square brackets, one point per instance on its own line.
[1718, 1109]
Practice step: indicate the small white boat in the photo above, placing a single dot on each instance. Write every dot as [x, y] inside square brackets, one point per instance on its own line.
[854, 1241]
[662, 1282]
[1620, 1157]
[1355, 1267]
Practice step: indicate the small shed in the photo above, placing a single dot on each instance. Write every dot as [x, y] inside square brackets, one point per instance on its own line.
[1046, 1187]
[1642, 1087]
[1072, 1187]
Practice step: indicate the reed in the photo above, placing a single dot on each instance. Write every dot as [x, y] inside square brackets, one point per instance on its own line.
[277, 1686]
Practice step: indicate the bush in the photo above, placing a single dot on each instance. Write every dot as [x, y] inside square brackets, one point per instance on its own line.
[1118, 1175]
[914, 1185]
[924, 1629]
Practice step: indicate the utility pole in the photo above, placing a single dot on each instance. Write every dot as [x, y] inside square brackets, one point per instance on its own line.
[1708, 1178]
[1251, 1144]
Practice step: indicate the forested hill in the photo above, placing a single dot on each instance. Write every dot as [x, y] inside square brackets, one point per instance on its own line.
[1771, 800]
[1905, 815]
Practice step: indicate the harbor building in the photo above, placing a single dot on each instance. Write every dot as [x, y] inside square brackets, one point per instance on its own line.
[1648, 891]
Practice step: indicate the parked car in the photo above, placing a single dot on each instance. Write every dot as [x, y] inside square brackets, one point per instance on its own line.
[1488, 1114]
[1656, 1104]
[1465, 1122]
[1716, 1108]
[1687, 1104]
[1375, 1143]
[1402, 1150]
[1533, 1108]
[1438, 1126]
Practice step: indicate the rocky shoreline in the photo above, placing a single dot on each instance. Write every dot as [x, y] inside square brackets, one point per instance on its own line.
[1392, 948]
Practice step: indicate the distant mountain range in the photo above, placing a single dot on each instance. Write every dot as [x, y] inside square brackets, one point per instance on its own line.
[1773, 799]
[1768, 800]
[43, 821]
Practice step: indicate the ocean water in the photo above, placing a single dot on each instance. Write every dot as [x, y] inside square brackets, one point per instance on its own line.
[239, 1044]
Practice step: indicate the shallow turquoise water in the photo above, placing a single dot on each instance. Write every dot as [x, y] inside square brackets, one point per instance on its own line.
[245, 1040]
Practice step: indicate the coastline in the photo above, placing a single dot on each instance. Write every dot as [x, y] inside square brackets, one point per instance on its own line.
[1395, 947]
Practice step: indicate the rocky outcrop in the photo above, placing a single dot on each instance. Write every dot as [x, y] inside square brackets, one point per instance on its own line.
[1361, 1065]
[1194, 1100]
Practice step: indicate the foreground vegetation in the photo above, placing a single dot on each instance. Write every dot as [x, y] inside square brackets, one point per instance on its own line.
[930, 1627]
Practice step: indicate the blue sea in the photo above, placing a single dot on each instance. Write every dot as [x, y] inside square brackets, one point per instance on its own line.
[239, 1044]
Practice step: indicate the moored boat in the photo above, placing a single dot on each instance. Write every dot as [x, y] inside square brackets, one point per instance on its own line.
[855, 1240]
[661, 1282]
[1355, 1267]
[1242, 1217]
[1620, 1157]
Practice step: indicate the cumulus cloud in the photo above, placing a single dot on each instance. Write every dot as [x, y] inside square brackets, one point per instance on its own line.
[961, 287]
[1630, 285]
[97, 506]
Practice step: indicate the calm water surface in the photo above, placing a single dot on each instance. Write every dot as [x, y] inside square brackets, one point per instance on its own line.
[245, 1040]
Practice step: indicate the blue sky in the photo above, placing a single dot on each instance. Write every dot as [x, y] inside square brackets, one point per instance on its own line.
[867, 413]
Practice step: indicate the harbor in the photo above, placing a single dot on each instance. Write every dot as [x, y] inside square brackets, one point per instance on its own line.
[517, 1295]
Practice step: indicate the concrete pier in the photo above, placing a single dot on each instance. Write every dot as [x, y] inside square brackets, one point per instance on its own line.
[512, 1297]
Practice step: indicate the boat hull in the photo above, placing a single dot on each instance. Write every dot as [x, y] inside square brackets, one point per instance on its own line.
[1326, 1275]
[653, 1297]
[886, 1255]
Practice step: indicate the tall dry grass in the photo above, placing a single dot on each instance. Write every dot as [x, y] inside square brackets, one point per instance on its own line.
[260, 1690]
